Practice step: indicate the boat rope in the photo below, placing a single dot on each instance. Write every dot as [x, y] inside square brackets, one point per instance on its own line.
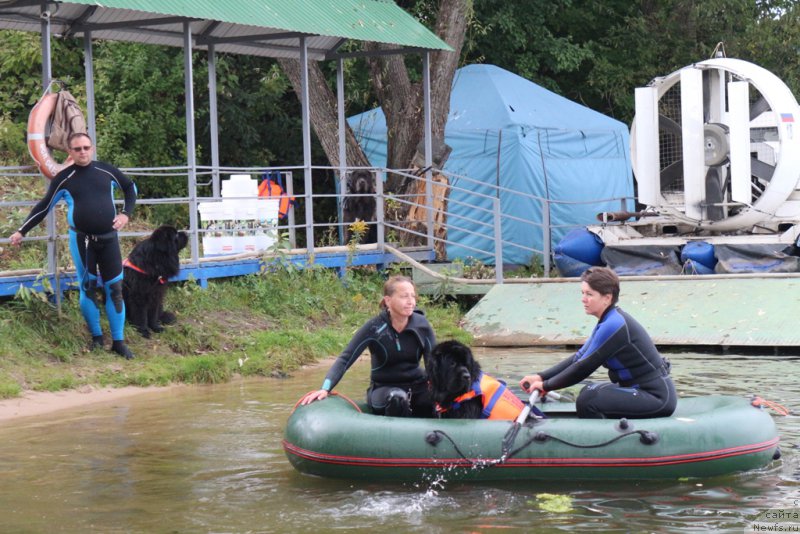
[435, 436]
[760, 402]
[645, 436]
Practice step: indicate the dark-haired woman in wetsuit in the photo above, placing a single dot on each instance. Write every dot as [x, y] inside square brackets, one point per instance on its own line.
[640, 385]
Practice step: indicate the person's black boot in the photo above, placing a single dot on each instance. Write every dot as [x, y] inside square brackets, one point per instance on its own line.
[97, 343]
[122, 349]
[397, 404]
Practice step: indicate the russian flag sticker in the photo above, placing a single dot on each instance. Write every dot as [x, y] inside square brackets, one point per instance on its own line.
[787, 117]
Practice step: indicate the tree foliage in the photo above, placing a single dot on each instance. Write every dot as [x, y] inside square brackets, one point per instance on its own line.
[591, 51]
[140, 107]
[597, 51]
[21, 85]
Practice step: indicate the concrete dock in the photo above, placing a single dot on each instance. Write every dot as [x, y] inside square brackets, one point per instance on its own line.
[716, 310]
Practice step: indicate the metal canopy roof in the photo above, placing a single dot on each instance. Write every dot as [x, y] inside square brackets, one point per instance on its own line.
[270, 28]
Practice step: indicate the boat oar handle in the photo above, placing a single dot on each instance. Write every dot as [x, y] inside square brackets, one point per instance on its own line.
[552, 395]
[527, 409]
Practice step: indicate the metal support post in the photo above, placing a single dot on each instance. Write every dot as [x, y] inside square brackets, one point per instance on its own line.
[306, 145]
[498, 241]
[52, 232]
[546, 236]
[214, 116]
[426, 93]
[379, 211]
[191, 153]
[88, 61]
[341, 183]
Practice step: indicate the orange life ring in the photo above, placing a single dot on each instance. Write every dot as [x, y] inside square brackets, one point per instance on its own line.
[37, 143]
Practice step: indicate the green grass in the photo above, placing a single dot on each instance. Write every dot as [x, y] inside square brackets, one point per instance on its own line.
[260, 325]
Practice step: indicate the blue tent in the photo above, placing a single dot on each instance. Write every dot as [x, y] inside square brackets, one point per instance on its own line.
[509, 132]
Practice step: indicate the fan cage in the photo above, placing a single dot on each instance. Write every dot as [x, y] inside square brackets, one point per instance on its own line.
[764, 141]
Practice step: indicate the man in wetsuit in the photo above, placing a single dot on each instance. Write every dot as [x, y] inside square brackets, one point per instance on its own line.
[88, 189]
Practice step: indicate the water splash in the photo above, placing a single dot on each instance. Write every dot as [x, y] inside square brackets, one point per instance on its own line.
[385, 507]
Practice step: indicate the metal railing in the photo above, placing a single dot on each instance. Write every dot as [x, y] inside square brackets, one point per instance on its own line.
[463, 214]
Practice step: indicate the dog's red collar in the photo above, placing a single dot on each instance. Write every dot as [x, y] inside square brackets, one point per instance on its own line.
[127, 263]
[471, 394]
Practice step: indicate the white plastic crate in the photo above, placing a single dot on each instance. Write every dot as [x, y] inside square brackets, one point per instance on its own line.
[238, 225]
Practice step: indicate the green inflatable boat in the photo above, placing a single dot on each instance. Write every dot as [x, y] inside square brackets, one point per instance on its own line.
[707, 436]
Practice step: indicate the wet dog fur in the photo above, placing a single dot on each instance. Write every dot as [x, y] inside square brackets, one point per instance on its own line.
[360, 208]
[158, 257]
[452, 369]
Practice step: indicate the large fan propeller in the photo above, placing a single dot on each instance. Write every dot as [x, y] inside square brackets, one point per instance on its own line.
[713, 145]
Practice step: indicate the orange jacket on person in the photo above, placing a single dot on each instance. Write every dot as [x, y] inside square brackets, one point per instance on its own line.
[498, 401]
[270, 188]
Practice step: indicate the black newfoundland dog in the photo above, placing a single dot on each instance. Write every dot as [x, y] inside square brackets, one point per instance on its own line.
[360, 208]
[146, 271]
[462, 391]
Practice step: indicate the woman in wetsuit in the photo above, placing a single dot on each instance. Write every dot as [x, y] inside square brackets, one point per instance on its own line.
[397, 339]
[640, 384]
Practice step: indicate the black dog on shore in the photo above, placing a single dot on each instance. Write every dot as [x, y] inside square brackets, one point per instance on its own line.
[360, 208]
[146, 271]
[462, 391]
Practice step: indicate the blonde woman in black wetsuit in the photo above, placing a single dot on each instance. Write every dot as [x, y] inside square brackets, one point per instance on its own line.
[640, 385]
[397, 339]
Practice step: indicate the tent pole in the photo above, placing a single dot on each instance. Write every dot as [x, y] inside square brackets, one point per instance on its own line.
[306, 144]
[497, 160]
[547, 233]
[498, 214]
[426, 94]
[214, 115]
[190, 142]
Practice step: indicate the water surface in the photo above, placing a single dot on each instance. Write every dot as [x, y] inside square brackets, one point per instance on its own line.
[209, 459]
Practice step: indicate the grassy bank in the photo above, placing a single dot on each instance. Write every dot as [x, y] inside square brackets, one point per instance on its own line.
[260, 325]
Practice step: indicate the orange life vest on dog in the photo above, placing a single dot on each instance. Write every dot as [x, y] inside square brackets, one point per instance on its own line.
[498, 401]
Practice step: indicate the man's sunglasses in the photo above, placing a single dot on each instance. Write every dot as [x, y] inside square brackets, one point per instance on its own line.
[81, 148]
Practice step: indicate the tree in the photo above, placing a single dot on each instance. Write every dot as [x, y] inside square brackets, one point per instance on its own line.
[531, 38]
[323, 113]
[399, 90]
[771, 40]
